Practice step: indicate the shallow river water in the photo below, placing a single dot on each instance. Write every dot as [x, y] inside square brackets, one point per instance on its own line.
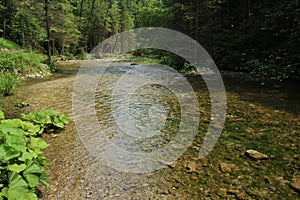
[78, 173]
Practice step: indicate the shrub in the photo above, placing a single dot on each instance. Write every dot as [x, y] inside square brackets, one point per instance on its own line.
[8, 82]
[271, 71]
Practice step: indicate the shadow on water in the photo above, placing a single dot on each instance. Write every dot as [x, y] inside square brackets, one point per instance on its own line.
[284, 96]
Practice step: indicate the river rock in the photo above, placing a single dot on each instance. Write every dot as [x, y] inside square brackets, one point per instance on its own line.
[256, 155]
[193, 167]
[222, 192]
[295, 184]
[164, 189]
[225, 167]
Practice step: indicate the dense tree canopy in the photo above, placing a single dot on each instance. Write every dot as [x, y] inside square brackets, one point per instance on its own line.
[250, 35]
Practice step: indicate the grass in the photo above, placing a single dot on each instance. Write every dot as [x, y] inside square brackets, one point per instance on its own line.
[21, 62]
[8, 82]
[6, 44]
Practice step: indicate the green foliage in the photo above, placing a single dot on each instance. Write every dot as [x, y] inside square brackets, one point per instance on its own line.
[6, 44]
[176, 62]
[47, 119]
[21, 156]
[8, 82]
[21, 62]
[271, 71]
[64, 31]
[15, 63]
[22, 104]
[25, 26]
[166, 58]
[152, 13]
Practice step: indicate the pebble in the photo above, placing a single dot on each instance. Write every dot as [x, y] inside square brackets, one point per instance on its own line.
[88, 195]
[164, 189]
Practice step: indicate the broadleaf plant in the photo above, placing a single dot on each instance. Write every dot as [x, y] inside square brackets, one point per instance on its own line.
[21, 156]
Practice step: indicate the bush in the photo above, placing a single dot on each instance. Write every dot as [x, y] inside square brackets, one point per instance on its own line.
[272, 71]
[8, 82]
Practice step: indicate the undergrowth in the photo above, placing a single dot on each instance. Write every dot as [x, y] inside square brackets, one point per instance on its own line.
[16, 63]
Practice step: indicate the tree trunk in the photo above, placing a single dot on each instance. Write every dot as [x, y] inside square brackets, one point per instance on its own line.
[48, 30]
[81, 8]
[92, 8]
[4, 18]
[62, 48]
[23, 39]
[53, 46]
[196, 20]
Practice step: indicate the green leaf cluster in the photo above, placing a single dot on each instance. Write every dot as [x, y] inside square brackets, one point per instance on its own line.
[21, 156]
[47, 119]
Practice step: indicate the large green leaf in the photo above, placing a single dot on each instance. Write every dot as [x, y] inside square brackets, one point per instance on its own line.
[16, 168]
[33, 168]
[25, 156]
[37, 143]
[31, 195]
[32, 179]
[17, 187]
[16, 123]
[7, 152]
[30, 127]
[32, 173]
[3, 193]
[58, 123]
[64, 119]
[44, 179]
[11, 130]
[17, 142]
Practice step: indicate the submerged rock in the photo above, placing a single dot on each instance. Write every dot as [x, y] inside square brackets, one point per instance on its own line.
[225, 167]
[193, 167]
[295, 184]
[256, 155]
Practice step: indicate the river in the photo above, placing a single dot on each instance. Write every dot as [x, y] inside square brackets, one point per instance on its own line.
[76, 174]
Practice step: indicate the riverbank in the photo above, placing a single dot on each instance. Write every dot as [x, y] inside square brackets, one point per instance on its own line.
[17, 64]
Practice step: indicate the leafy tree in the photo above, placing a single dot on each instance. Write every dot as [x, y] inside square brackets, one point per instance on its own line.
[64, 31]
[25, 26]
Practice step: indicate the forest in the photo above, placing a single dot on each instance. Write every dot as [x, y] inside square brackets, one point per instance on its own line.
[260, 37]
